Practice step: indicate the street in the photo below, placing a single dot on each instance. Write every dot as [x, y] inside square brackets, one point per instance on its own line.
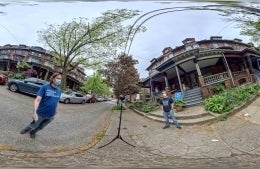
[68, 141]
[74, 126]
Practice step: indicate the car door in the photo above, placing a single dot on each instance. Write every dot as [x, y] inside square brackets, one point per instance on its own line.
[79, 98]
[27, 85]
[73, 98]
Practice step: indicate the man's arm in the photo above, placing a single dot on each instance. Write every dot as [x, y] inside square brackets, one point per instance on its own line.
[36, 105]
[56, 110]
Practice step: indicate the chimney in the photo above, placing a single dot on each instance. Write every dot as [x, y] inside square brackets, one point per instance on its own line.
[216, 38]
[188, 41]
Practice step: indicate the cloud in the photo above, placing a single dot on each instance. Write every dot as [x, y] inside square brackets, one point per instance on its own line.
[22, 20]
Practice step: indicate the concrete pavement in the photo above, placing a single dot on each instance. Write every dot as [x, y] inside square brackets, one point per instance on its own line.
[231, 143]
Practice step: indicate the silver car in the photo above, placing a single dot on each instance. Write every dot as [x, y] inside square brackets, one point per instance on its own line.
[72, 97]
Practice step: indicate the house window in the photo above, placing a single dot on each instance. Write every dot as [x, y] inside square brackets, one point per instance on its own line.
[4, 57]
[188, 48]
[34, 59]
[215, 45]
[196, 46]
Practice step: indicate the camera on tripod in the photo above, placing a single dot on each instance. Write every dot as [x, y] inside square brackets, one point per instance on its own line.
[122, 97]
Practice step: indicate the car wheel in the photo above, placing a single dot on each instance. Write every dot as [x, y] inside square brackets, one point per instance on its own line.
[66, 101]
[83, 102]
[13, 87]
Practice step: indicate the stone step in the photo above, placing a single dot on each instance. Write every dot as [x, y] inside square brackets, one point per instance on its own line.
[193, 101]
[187, 122]
[181, 115]
[187, 96]
[196, 90]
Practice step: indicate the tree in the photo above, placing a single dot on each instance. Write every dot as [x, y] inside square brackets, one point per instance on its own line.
[95, 85]
[247, 19]
[122, 76]
[87, 43]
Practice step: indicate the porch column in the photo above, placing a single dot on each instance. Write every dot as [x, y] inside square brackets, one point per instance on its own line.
[229, 71]
[201, 79]
[166, 79]
[249, 63]
[179, 79]
[197, 66]
[151, 88]
[47, 74]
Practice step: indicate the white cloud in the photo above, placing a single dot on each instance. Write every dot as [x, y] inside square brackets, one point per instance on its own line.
[23, 21]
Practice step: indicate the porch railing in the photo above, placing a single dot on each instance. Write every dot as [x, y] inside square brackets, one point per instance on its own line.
[216, 78]
[239, 73]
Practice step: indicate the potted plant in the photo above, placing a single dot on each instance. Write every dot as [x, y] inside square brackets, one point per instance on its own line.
[178, 104]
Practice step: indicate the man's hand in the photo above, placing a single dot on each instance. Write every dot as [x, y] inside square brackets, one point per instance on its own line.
[35, 116]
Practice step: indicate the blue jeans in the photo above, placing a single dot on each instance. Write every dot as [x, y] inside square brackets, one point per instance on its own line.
[166, 118]
[35, 126]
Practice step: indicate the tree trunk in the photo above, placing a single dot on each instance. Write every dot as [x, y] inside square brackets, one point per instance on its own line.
[64, 79]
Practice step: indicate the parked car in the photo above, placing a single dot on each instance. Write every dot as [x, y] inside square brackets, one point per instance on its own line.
[29, 85]
[3, 79]
[90, 98]
[72, 97]
[100, 99]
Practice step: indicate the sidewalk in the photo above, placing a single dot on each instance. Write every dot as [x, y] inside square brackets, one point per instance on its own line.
[238, 135]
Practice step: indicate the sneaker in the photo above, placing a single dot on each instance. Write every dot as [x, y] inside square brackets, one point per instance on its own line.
[32, 135]
[179, 127]
[166, 127]
[23, 131]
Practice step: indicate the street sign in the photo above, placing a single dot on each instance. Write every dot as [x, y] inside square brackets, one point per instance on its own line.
[178, 96]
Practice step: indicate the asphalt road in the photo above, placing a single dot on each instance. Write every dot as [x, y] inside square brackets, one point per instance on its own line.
[74, 126]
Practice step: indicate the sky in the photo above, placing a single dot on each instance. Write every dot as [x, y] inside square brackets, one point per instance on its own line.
[20, 21]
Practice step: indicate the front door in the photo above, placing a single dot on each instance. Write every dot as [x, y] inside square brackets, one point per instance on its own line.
[193, 80]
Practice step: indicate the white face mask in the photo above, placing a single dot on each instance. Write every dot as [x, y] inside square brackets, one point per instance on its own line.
[57, 82]
[164, 95]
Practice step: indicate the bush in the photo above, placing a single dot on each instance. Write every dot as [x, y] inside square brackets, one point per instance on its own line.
[118, 107]
[218, 88]
[145, 106]
[17, 76]
[179, 103]
[228, 99]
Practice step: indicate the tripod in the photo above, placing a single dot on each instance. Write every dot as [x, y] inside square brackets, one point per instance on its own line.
[119, 127]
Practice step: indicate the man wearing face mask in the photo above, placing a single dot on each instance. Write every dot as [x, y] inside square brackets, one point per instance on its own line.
[166, 103]
[45, 105]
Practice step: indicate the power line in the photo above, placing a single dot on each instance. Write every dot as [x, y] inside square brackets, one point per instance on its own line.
[10, 33]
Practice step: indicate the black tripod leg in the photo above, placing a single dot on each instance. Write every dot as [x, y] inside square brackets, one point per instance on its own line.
[126, 141]
[119, 129]
[109, 142]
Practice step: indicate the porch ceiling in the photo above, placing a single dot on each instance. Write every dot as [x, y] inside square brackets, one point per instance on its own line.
[189, 66]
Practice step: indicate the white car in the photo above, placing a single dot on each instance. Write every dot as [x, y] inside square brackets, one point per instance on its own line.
[72, 97]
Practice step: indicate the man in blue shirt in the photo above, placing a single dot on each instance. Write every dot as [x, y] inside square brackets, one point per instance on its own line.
[166, 103]
[45, 105]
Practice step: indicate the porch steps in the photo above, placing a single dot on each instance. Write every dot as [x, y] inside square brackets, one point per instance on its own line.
[189, 116]
[193, 97]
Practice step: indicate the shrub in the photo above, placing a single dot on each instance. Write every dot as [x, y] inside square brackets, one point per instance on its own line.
[118, 107]
[218, 88]
[145, 106]
[228, 99]
[17, 76]
[217, 104]
[179, 103]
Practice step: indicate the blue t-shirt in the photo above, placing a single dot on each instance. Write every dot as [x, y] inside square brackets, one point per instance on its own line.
[167, 104]
[50, 98]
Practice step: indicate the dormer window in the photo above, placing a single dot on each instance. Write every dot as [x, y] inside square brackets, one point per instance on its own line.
[189, 48]
[216, 38]
[188, 40]
[215, 45]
